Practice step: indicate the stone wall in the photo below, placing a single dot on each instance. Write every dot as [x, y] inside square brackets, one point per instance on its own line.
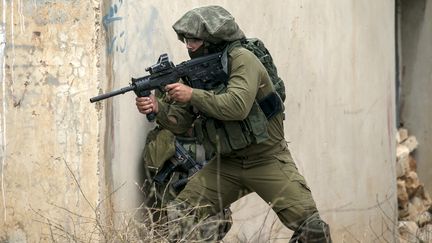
[414, 202]
[49, 131]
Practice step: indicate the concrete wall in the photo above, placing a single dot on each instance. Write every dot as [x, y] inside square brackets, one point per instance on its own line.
[49, 131]
[416, 113]
[342, 105]
[337, 58]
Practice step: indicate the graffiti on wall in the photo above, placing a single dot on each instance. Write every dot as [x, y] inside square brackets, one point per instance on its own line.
[116, 42]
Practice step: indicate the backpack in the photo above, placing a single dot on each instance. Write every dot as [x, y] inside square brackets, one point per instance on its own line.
[256, 46]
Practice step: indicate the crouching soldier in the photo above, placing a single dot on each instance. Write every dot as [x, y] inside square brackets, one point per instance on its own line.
[170, 161]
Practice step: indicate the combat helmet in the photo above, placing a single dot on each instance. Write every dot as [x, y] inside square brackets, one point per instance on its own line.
[213, 24]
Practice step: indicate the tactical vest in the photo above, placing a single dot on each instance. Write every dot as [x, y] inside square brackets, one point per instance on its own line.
[224, 137]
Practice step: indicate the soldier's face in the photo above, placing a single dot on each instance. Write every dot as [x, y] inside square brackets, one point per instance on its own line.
[193, 44]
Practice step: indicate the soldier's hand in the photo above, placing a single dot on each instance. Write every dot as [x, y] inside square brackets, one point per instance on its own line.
[146, 105]
[179, 92]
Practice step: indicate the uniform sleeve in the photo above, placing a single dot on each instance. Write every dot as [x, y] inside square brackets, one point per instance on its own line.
[174, 117]
[236, 102]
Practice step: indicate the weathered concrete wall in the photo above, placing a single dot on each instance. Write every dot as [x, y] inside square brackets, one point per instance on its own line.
[49, 130]
[342, 100]
[337, 58]
[416, 113]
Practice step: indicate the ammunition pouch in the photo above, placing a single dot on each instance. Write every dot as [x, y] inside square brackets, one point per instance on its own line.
[224, 137]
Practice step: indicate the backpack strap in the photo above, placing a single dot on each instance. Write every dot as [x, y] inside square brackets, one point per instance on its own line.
[272, 104]
[227, 50]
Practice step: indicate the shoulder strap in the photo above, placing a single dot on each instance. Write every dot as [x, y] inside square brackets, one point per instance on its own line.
[227, 50]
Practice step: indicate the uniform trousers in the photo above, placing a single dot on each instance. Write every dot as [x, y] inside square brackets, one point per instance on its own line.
[275, 178]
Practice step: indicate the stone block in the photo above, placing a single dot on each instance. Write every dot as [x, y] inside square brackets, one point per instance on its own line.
[424, 219]
[408, 231]
[402, 151]
[402, 166]
[412, 183]
[402, 135]
[411, 142]
[425, 233]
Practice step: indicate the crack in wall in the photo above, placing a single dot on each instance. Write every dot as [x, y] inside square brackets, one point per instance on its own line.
[21, 16]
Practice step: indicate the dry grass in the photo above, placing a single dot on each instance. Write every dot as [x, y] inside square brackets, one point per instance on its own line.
[143, 224]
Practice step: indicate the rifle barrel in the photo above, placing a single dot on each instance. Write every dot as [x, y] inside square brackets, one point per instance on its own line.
[111, 94]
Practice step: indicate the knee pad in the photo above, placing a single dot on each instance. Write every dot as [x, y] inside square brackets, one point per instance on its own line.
[312, 230]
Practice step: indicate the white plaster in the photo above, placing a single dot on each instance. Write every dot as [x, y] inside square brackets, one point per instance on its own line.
[63, 37]
[84, 61]
[64, 90]
[62, 45]
[17, 236]
[76, 63]
[79, 52]
[3, 141]
[81, 71]
[45, 121]
[21, 16]
[57, 60]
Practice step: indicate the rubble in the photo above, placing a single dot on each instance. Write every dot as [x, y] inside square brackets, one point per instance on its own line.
[414, 203]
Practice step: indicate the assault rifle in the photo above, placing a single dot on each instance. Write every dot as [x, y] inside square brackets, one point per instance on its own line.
[181, 161]
[205, 72]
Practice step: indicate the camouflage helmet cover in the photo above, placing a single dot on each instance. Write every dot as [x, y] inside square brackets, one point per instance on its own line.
[213, 24]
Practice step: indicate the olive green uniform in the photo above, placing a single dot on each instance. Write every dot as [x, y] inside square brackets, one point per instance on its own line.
[251, 154]
[266, 168]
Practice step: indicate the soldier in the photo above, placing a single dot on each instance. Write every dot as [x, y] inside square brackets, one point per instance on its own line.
[158, 153]
[166, 176]
[235, 123]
